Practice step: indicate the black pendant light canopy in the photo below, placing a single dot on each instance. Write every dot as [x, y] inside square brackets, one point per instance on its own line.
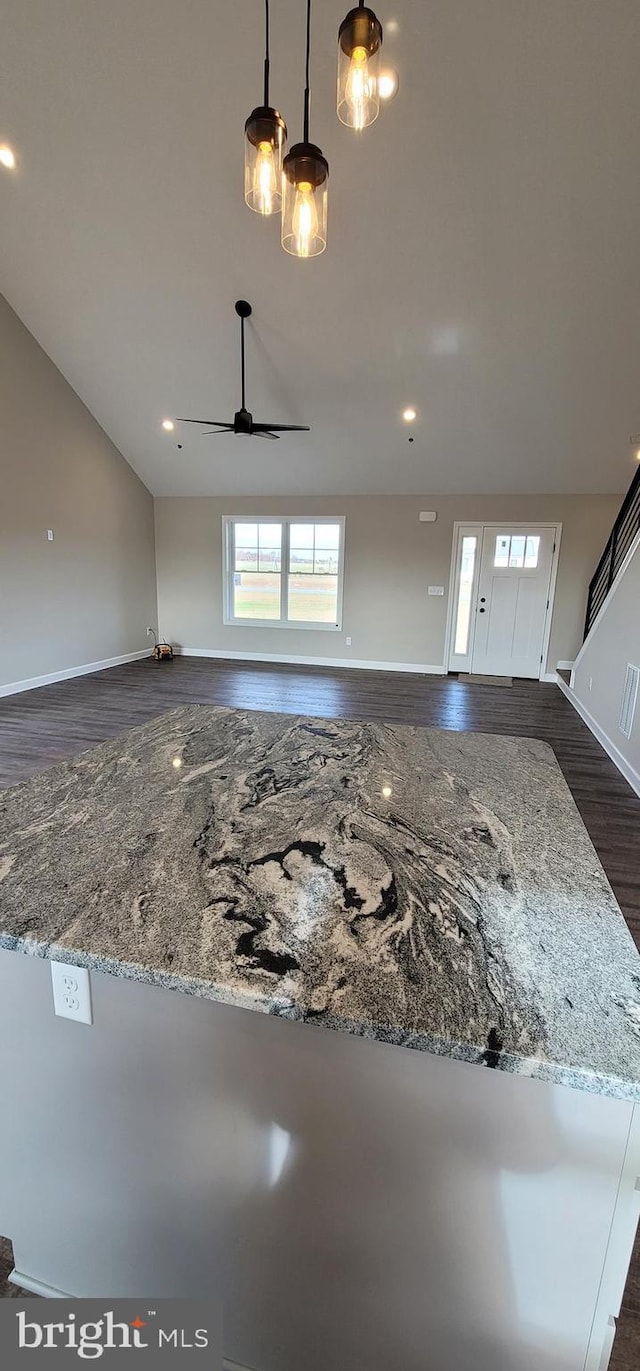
[305, 178]
[265, 135]
[359, 45]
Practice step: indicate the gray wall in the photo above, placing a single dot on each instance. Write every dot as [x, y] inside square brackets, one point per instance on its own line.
[614, 642]
[390, 560]
[89, 594]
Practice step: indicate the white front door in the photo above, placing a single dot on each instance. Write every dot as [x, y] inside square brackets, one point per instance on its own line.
[512, 600]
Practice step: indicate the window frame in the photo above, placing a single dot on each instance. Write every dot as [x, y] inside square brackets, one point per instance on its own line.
[229, 522]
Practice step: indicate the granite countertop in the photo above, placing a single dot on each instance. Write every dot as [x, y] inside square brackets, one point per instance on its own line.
[430, 889]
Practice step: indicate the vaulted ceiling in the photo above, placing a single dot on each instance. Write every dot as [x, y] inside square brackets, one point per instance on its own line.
[484, 241]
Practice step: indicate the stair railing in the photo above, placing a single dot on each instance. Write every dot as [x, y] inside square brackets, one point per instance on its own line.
[622, 535]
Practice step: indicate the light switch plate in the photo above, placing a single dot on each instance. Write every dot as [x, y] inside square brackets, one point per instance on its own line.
[71, 992]
[50, 534]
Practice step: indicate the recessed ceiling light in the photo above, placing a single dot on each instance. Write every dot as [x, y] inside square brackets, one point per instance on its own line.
[388, 84]
[7, 157]
[168, 424]
[409, 414]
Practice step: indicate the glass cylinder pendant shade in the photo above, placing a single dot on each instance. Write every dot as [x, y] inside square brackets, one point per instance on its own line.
[305, 187]
[359, 45]
[265, 135]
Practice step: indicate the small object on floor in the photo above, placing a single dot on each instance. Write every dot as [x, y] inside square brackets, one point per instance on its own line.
[484, 680]
[163, 652]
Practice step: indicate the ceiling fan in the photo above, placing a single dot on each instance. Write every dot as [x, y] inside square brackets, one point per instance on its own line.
[243, 419]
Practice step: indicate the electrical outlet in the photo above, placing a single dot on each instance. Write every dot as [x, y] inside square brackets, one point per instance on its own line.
[590, 682]
[149, 630]
[348, 642]
[50, 535]
[71, 992]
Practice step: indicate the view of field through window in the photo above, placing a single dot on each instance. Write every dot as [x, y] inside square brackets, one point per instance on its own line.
[307, 586]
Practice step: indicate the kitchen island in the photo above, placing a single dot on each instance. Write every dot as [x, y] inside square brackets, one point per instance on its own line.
[467, 1203]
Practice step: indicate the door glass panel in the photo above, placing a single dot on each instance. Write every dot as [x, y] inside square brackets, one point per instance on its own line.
[517, 550]
[533, 551]
[501, 557]
[516, 553]
[463, 616]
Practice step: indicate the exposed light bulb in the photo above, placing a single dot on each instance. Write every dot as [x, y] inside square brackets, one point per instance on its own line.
[305, 176]
[265, 137]
[265, 182]
[358, 88]
[305, 218]
[359, 44]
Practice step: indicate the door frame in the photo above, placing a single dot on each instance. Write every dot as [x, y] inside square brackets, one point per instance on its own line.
[478, 526]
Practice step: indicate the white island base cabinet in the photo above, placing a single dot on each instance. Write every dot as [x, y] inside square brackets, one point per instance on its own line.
[368, 1207]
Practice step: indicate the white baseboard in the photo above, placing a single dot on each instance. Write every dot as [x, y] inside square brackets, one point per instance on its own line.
[564, 666]
[629, 773]
[46, 1292]
[15, 687]
[358, 664]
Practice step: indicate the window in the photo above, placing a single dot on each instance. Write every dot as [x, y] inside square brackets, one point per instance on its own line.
[280, 572]
[516, 550]
[465, 590]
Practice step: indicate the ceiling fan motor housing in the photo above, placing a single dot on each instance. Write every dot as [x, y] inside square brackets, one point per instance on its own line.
[242, 421]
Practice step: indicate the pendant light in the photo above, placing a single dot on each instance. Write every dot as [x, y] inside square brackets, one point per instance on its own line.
[359, 44]
[265, 137]
[305, 176]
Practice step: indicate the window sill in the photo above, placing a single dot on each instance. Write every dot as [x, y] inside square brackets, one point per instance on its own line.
[274, 623]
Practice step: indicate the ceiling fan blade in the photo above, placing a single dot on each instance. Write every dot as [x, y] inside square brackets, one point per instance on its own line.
[263, 433]
[221, 423]
[281, 428]
[217, 432]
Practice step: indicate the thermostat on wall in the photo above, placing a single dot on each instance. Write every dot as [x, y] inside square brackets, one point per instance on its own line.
[428, 516]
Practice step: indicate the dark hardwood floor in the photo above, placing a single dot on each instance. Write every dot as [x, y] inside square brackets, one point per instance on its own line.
[42, 727]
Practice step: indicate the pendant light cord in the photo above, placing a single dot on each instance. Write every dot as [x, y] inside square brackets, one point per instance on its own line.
[306, 88]
[266, 52]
